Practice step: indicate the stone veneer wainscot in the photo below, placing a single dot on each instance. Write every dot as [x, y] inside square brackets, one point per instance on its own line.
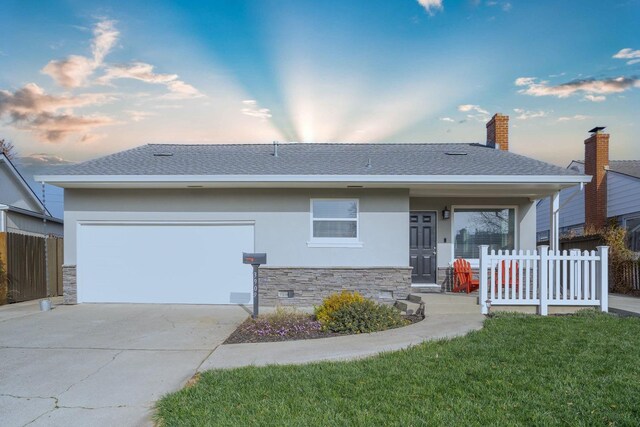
[69, 285]
[311, 284]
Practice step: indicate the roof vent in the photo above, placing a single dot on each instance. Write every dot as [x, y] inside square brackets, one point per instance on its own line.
[456, 153]
[162, 154]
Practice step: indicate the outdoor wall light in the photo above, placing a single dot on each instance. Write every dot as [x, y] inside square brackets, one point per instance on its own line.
[446, 213]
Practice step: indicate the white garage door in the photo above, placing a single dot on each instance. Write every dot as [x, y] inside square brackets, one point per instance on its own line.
[182, 263]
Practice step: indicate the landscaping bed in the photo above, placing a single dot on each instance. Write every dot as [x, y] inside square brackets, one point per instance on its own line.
[518, 370]
[342, 313]
[297, 327]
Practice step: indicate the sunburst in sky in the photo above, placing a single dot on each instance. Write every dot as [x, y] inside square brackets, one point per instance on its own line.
[82, 79]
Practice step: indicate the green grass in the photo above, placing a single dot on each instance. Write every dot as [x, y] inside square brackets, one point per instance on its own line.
[519, 370]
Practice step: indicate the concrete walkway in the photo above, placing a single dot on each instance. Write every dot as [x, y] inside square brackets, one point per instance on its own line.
[624, 305]
[342, 348]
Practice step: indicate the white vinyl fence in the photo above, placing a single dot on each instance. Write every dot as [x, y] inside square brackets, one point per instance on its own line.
[542, 278]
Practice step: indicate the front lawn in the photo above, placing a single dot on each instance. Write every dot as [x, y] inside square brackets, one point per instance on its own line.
[518, 370]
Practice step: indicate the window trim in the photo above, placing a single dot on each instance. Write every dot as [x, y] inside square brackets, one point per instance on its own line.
[334, 242]
[516, 231]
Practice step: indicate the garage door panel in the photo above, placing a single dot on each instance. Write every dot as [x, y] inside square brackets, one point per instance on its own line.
[164, 263]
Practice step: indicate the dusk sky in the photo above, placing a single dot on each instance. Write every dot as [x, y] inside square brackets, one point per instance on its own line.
[80, 79]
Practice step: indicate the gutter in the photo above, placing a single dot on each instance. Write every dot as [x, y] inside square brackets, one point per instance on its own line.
[380, 179]
[5, 208]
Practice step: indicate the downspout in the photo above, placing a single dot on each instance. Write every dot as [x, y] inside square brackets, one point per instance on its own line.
[3, 218]
[554, 221]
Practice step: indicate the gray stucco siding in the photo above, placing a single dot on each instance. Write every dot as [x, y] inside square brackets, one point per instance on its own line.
[281, 220]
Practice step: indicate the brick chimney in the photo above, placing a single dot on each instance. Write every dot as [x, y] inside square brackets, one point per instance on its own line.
[498, 132]
[596, 163]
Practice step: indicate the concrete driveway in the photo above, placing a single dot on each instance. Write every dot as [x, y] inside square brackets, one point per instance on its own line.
[102, 364]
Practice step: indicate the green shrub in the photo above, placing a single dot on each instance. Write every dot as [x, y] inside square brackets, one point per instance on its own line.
[334, 302]
[621, 258]
[364, 316]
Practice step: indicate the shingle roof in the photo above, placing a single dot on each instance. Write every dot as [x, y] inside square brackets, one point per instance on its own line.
[315, 159]
[626, 167]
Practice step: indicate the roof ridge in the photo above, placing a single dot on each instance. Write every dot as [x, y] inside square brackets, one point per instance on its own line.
[308, 143]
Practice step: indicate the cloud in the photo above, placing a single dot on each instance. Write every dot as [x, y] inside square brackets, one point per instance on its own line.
[595, 98]
[526, 115]
[504, 5]
[588, 87]
[576, 117]
[30, 108]
[431, 6]
[144, 72]
[251, 109]
[628, 53]
[105, 37]
[40, 163]
[525, 81]
[42, 159]
[70, 72]
[447, 119]
[470, 107]
[32, 99]
[53, 128]
[74, 70]
[138, 116]
[89, 138]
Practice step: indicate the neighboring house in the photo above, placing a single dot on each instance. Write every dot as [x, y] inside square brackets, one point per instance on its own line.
[169, 223]
[21, 211]
[613, 196]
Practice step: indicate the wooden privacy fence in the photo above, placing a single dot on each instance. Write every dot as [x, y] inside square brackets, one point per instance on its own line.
[629, 274]
[542, 278]
[26, 268]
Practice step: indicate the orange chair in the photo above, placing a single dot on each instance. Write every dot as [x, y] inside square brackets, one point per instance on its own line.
[463, 277]
[507, 275]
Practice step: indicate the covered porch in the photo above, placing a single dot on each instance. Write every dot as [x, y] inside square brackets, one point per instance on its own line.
[451, 221]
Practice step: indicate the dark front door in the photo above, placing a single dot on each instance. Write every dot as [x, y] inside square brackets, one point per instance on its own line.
[422, 246]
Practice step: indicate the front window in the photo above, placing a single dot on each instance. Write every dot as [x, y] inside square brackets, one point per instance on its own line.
[334, 219]
[483, 226]
[633, 233]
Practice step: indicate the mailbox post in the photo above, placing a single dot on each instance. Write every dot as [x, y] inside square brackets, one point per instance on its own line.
[255, 259]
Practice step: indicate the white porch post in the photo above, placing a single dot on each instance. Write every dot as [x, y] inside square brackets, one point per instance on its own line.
[554, 221]
[484, 266]
[603, 277]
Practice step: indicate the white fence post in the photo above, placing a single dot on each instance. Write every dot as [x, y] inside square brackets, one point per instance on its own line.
[484, 260]
[543, 279]
[603, 276]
